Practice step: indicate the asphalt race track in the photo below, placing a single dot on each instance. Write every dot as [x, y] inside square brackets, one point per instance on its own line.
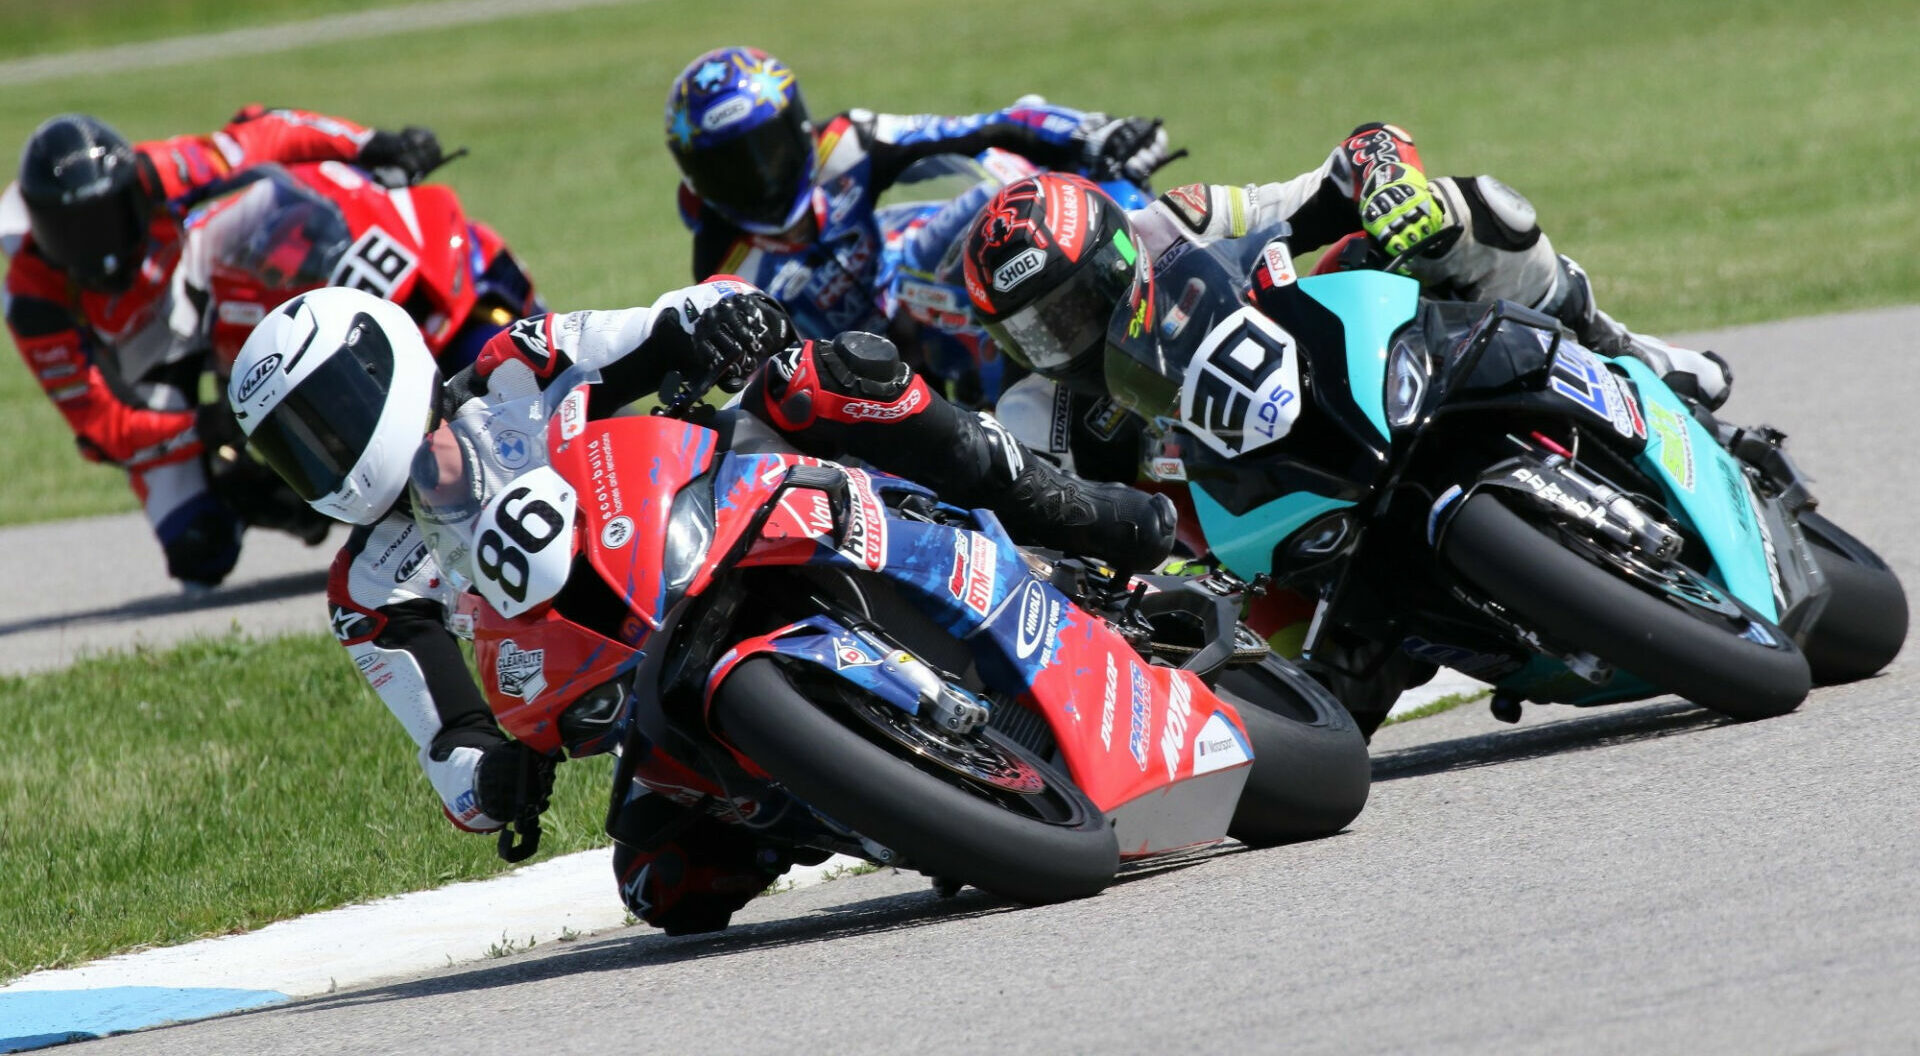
[1638, 878]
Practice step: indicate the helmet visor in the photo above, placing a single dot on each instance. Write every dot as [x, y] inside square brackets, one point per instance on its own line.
[760, 176]
[1070, 320]
[98, 240]
[317, 432]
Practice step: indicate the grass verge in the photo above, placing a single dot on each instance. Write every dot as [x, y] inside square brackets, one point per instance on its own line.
[1702, 160]
[1444, 704]
[156, 797]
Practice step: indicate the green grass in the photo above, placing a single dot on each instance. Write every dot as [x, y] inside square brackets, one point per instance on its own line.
[43, 27]
[1710, 163]
[156, 797]
[1436, 707]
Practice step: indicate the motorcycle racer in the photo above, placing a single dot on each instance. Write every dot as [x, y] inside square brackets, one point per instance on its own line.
[1467, 238]
[1050, 259]
[790, 206]
[90, 292]
[336, 390]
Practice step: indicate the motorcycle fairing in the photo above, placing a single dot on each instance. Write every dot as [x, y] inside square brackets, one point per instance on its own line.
[625, 502]
[1372, 306]
[1244, 543]
[533, 667]
[1706, 489]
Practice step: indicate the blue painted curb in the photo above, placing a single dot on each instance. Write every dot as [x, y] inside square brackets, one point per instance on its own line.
[34, 1019]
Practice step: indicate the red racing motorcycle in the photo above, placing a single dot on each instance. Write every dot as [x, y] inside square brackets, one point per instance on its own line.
[834, 658]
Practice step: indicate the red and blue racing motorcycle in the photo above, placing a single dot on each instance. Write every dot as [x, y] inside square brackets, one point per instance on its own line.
[836, 659]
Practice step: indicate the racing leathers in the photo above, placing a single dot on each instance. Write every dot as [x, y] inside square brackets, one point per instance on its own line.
[678, 867]
[823, 271]
[110, 362]
[1488, 246]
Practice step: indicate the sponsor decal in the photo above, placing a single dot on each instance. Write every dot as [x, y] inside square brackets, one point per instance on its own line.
[605, 477]
[1573, 506]
[868, 411]
[531, 336]
[1108, 698]
[1279, 263]
[411, 565]
[241, 313]
[256, 377]
[1033, 626]
[573, 415]
[732, 111]
[850, 652]
[1105, 417]
[1071, 216]
[931, 296]
[1582, 377]
[512, 449]
[1060, 432]
[1019, 269]
[366, 660]
[1179, 713]
[1164, 468]
[1218, 746]
[1766, 544]
[615, 533]
[348, 624]
[866, 538]
[1191, 203]
[1676, 443]
[1140, 714]
[1182, 311]
[973, 563]
[520, 672]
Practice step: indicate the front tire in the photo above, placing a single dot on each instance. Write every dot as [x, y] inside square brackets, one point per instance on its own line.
[1688, 651]
[1865, 621]
[1311, 772]
[938, 826]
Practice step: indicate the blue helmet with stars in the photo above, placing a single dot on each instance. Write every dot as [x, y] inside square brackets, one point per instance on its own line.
[739, 130]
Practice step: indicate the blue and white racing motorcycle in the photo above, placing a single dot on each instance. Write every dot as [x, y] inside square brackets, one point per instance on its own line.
[1465, 485]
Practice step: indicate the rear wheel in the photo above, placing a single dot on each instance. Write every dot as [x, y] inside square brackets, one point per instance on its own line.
[1311, 772]
[1687, 636]
[1865, 621]
[978, 809]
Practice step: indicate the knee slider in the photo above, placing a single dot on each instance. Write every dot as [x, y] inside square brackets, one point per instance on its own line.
[201, 542]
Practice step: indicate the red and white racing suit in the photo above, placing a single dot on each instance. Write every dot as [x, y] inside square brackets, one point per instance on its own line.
[110, 362]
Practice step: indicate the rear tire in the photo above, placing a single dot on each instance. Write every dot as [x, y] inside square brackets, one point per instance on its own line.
[1865, 621]
[1692, 653]
[938, 826]
[1311, 772]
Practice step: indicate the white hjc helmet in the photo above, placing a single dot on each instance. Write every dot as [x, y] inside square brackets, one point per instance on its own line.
[334, 389]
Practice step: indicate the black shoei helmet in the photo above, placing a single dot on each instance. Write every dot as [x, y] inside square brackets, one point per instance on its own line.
[81, 183]
[1047, 263]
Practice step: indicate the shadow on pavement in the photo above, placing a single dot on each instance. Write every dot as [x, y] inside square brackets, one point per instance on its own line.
[273, 588]
[639, 949]
[1613, 725]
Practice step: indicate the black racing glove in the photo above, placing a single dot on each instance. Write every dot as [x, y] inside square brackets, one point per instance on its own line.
[401, 158]
[1128, 148]
[733, 337]
[513, 782]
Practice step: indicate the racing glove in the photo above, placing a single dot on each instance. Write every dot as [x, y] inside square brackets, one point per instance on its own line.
[1129, 148]
[401, 158]
[513, 782]
[731, 338]
[1398, 209]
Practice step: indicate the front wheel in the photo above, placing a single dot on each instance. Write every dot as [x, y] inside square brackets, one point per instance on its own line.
[977, 809]
[1865, 621]
[1311, 772]
[1692, 640]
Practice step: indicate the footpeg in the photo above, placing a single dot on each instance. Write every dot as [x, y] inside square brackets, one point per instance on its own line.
[1505, 707]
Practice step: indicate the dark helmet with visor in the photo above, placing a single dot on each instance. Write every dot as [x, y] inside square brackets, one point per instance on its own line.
[1047, 263]
[738, 128]
[85, 200]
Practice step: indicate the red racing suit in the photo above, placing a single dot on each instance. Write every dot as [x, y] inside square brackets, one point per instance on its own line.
[110, 362]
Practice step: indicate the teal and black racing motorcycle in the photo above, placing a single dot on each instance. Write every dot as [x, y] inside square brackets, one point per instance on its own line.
[1464, 485]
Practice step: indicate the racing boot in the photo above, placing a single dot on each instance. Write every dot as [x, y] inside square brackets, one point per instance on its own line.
[1046, 506]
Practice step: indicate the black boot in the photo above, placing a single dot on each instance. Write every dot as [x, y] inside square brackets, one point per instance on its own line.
[1049, 507]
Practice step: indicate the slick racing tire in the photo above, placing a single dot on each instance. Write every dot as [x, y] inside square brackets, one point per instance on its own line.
[1311, 772]
[1743, 667]
[1056, 847]
[1865, 621]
